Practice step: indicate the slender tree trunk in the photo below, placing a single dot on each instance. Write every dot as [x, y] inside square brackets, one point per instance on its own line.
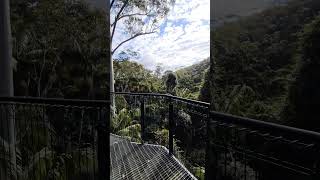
[111, 75]
[6, 87]
[112, 98]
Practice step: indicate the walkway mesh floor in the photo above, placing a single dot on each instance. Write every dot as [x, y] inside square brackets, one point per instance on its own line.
[144, 162]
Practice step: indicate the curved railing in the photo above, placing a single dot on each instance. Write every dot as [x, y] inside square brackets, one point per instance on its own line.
[212, 145]
[215, 145]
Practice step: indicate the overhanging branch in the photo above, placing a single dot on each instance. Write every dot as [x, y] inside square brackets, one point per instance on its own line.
[133, 37]
[111, 4]
[117, 18]
[129, 15]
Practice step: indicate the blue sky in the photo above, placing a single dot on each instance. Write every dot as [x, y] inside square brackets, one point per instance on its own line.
[182, 40]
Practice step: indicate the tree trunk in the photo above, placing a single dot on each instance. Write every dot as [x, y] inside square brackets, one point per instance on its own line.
[112, 97]
[111, 72]
[6, 87]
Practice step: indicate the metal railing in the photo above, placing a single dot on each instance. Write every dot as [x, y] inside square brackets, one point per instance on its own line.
[162, 119]
[69, 139]
[214, 145]
[53, 139]
[243, 148]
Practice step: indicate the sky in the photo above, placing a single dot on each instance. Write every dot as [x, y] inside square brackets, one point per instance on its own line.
[183, 38]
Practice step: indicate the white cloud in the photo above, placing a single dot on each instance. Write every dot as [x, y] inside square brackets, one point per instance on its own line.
[185, 41]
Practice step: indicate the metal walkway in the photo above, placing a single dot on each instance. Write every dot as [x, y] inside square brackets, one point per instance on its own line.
[132, 161]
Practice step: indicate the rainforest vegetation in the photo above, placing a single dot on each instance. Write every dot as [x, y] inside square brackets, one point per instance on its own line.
[264, 66]
[59, 52]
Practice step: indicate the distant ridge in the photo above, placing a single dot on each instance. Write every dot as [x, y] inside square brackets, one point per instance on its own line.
[231, 10]
[192, 77]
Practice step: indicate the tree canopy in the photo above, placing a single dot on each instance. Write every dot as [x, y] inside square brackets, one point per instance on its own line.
[139, 17]
[255, 60]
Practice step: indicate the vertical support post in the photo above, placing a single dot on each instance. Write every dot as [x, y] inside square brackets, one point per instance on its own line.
[171, 127]
[7, 114]
[106, 113]
[142, 118]
[209, 169]
[207, 165]
[6, 82]
[104, 143]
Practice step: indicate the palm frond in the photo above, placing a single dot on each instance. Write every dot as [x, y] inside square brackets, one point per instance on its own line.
[132, 131]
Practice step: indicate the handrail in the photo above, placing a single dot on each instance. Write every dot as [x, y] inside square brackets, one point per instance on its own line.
[253, 123]
[216, 115]
[311, 139]
[55, 101]
[169, 96]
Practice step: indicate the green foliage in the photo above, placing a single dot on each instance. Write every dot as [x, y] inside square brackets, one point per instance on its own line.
[199, 172]
[171, 83]
[58, 48]
[133, 14]
[162, 136]
[191, 80]
[255, 59]
[304, 97]
[38, 157]
[133, 77]
[125, 123]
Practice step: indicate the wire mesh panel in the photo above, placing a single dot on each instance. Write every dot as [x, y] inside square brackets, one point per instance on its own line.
[156, 127]
[249, 149]
[126, 121]
[142, 152]
[212, 145]
[189, 119]
[51, 139]
[141, 118]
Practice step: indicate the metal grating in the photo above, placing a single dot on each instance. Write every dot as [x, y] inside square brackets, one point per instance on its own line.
[148, 162]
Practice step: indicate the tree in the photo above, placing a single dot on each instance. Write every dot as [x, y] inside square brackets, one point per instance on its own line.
[191, 80]
[133, 77]
[259, 52]
[59, 49]
[171, 83]
[140, 17]
[158, 70]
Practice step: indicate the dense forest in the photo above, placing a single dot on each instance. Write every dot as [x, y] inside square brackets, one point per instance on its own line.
[58, 49]
[191, 79]
[265, 66]
[59, 52]
[257, 60]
